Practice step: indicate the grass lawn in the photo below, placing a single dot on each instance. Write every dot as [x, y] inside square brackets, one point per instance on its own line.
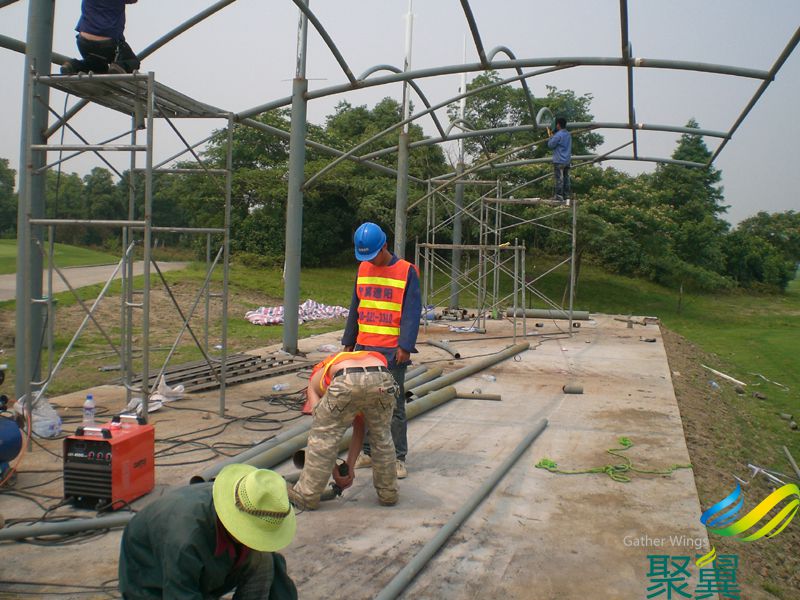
[64, 255]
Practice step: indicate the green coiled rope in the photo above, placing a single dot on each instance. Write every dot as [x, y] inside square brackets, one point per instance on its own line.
[617, 472]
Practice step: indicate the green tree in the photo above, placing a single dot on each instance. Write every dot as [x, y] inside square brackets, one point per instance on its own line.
[8, 199]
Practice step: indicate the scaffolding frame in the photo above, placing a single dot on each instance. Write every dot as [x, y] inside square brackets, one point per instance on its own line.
[141, 97]
[491, 262]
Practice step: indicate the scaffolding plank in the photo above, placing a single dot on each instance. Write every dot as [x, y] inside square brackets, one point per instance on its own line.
[128, 94]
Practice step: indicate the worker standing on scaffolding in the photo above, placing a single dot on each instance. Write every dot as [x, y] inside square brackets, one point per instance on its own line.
[101, 41]
[560, 143]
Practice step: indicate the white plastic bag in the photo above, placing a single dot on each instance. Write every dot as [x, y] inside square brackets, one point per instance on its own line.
[45, 421]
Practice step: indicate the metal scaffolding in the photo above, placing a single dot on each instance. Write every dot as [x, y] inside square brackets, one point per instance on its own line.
[144, 100]
[493, 271]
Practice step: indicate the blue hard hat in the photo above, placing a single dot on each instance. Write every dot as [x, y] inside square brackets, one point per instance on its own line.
[369, 240]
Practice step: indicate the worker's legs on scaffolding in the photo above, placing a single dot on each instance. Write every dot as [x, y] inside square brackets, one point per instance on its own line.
[561, 182]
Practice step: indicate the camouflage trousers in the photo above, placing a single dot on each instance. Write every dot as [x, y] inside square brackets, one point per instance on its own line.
[371, 393]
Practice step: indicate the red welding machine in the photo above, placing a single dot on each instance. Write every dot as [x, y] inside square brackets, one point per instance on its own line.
[111, 465]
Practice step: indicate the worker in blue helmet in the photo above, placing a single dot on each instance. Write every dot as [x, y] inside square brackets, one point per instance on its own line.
[384, 317]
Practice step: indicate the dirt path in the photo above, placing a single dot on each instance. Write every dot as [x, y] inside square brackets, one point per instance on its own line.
[79, 277]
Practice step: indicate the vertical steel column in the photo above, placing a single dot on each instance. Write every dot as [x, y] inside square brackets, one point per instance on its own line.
[516, 287]
[128, 245]
[147, 244]
[226, 266]
[455, 268]
[572, 260]
[524, 290]
[207, 294]
[294, 202]
[497, 259]
[401, 203]
[38, 53]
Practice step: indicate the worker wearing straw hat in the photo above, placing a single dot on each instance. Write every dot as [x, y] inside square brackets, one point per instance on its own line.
[205, 540]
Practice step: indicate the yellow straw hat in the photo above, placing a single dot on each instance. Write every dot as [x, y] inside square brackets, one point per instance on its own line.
[253, 506]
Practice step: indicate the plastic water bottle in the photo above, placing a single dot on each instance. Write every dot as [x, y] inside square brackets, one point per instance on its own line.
[88, 410]
[279, 387]
[714, 385]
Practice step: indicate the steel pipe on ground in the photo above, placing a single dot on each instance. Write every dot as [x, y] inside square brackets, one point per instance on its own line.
[407, 573]
[446, 347]
[425, 377]
[284, 451]
[415, 371]
[19, 532]
[546, 313]
[478, 396]
[297, 437]
[470, 369]
[211, 472]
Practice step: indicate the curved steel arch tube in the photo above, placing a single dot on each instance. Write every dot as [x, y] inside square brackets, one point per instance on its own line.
[412, 83]
[377, 136]
[562, 62]
[593, 125]
[185, 26]
[327, 39]
[528, 95]
[476, 35]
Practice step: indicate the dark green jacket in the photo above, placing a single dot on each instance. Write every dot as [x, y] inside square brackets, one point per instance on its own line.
[168, 552]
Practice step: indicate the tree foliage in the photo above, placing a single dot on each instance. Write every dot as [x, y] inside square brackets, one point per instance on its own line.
[8, 199]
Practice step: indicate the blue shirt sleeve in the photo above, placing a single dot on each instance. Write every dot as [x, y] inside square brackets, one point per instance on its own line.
[412, 309]
[351, 327]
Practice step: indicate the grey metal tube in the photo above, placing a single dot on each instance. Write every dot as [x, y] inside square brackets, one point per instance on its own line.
[421, 379]
[401, 200]
[284, 451]
[407, 573]
[478, 396]
[546, 313]
[468, 370]
[211, 472]
[19, 532]
[415, 371]
[294, 203]
[446, 347]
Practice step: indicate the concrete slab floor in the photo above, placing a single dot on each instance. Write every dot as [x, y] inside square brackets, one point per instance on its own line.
[537, 535]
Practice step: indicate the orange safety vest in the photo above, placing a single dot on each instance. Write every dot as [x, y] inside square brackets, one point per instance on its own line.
[331, 360]
[380, 293]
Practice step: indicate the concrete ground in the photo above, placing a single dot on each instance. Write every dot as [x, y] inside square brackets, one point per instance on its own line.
[79, 277]
[538, 535]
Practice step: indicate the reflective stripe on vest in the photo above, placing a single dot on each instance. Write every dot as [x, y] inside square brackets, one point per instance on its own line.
[380, 292]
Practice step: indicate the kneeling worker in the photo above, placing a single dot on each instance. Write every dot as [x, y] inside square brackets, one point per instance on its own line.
[205, 540]
[342, 386]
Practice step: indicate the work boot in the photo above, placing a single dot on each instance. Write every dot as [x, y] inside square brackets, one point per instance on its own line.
[387, 499]
[402, 472]
[299, 501]
[364, 461]
[68, 68]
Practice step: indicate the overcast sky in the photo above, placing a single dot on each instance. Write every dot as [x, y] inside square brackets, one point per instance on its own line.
[244, 56]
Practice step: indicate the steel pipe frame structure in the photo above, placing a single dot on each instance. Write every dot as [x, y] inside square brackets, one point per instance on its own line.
[42, 38]
[128, 226]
